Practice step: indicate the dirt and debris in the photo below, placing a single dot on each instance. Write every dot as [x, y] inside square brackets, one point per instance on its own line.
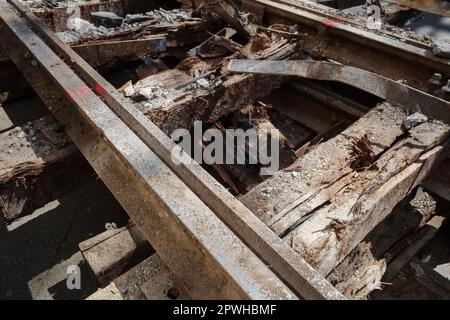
[441, 48]
[107, 24]
[414, 120]
[327, 168]
[106, 19]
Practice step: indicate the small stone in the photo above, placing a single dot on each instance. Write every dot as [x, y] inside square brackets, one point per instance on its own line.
[106, 19]
[414, 120]
[436, 79]
[441, 48]
[80, 25]
[127, 89]
[136, 18]
[103, 30]
[294, 174]
[203, 83]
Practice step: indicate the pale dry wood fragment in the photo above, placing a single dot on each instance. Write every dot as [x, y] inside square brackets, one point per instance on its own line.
[335, 229]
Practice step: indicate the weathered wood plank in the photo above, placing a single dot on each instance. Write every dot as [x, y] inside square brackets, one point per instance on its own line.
[313, 179]
[327, 237]
[292, 268]
[97, 54]
[362, 270]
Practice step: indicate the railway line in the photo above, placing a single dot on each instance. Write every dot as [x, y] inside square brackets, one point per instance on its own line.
[361, 129]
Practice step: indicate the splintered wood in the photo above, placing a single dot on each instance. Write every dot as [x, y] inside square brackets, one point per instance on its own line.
[202, 89]
[331, 198]
[363, 269]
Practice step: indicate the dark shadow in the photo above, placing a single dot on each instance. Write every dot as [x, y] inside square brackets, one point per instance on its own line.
[53, 237]
[60, 290]
[24, 110]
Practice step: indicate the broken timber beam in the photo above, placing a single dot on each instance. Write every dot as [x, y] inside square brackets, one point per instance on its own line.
[288, 265]
[189, 238]
[333, 230]
[438, 7]
[322, 205]
[314, 178]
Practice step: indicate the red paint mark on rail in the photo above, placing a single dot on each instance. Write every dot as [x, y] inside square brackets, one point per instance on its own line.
[100, 90]
[79, 92]
[331, 23]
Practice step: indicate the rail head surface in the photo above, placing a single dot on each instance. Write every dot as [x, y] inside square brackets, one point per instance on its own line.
[287, 264]
[203, 253]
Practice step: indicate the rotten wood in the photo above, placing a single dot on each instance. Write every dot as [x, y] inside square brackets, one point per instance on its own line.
[315, 177]
[362, 270]
[38, 164]
[219, 96]
[333, 230]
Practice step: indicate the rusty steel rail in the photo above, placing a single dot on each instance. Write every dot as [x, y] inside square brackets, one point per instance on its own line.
[205, 256]
[392, 91]
[438, 7]
[337, 37]
[289, 266]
